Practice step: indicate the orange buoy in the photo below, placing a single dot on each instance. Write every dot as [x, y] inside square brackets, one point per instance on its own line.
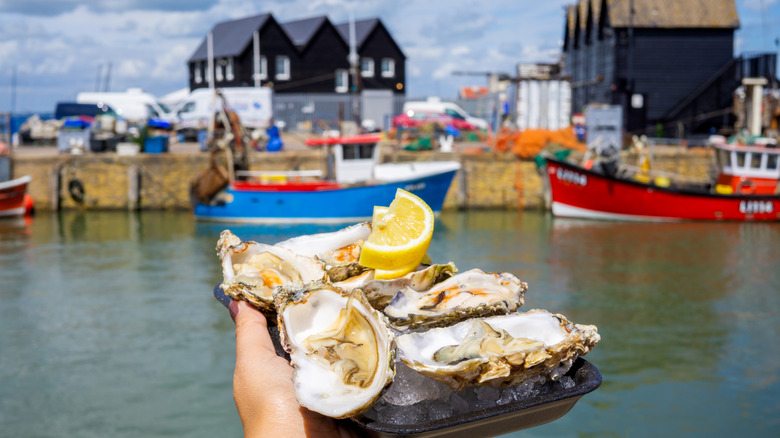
[29, 205]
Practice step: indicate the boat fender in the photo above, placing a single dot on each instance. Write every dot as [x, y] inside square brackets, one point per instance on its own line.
[29, 205]
[76, 190]
[745, 187]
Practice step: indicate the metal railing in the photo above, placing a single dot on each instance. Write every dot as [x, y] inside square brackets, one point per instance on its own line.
[319, 112]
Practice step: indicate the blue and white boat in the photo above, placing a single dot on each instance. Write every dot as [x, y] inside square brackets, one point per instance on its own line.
[360, 183]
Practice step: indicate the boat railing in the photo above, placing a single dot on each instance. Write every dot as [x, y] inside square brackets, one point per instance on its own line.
[280, 173]
[629, 171]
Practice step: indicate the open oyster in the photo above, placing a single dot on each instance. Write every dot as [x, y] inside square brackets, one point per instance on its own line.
[252, 271]
[343, 353]
[500, 350]
[340, 250]
[380, 292]
[470, 294]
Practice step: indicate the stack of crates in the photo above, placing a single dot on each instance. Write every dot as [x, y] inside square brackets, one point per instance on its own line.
[158, 136]
[74, 133]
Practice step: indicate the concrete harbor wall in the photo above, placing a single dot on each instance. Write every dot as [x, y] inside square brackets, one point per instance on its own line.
[162, 181]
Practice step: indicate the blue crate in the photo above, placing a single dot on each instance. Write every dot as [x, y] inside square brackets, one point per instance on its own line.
[156, 145]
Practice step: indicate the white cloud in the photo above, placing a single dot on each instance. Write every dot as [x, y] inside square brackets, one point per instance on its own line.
[460, 50]
[424, 52]
[445, 70]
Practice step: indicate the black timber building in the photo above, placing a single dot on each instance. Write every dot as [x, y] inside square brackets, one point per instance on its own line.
[302, 56]
[664, 62]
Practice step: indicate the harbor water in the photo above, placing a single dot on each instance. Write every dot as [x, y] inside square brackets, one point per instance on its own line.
[108, 326]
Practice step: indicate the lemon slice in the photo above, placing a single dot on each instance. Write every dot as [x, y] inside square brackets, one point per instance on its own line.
[400, 235]
[381, 274]
[379, 211]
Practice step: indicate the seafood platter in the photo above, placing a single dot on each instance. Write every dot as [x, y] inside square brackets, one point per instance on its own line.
[437, 351]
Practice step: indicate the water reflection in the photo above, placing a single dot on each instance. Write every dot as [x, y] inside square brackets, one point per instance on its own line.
[110, 328]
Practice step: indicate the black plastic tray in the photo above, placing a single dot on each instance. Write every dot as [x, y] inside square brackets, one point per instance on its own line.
[497, 420]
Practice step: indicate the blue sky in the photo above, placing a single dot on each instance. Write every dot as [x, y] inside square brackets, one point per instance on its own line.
[61, 47]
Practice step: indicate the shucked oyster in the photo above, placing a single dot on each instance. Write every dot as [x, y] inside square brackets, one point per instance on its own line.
[252, 271]
[338, 247]
[500, 350]
[470, 294]
[343, 353]
[380, 292]
[339, 250]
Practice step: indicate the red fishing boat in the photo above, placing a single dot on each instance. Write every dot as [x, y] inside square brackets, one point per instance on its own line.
[14, 200]
[746, 189]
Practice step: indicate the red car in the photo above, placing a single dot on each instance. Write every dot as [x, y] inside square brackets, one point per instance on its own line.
[416, 119]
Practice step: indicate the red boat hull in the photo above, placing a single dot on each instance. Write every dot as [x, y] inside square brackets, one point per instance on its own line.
[12, 193]
[577, 192]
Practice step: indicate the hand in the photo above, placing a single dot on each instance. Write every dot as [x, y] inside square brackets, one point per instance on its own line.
[263, 388]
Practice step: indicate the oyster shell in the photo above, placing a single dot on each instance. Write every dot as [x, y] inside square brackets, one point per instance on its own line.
[501, 350]
[343, 353]
[340, 250]
[470, 294]
[380, 292]
[337, 248]
[253, 271]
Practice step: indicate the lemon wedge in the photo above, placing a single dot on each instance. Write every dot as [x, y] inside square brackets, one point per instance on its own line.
[379, 211]
[400, 236]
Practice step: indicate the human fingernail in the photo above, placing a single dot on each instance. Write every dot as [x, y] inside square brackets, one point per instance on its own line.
[234, 308]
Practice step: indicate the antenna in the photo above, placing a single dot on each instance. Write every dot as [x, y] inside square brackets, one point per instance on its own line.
[108, 77]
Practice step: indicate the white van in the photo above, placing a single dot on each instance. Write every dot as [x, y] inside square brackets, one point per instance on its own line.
[133, 105]
[252, 104]
[434, 104]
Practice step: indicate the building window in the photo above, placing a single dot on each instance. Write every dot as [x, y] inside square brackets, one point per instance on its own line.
[282, 67]
[218, 70]
[367, 67]
[229, 75]
[342, 81]
[388, 68]
[263, 68]
[198, 73]
[209, 72]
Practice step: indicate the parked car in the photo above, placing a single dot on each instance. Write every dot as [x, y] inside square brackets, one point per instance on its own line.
[134, 105]
[415, 119]
[435, 104]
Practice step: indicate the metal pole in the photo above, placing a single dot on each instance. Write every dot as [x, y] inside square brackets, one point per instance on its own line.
[256, 54]
[210, 77]
[353, 66]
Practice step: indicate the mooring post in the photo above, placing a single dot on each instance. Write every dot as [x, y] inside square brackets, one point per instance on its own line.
[133, 187]
[55, 179]
[462, 186]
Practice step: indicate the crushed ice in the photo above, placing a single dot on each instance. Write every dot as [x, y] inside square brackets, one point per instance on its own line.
[414, 398]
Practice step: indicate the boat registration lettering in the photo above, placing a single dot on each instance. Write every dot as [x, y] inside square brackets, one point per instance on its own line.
[756, 207]
[572, 177]
[414, 187]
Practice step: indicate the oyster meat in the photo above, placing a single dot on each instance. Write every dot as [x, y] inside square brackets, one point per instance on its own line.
[380, 292]
[340, 250]
[336, 248]
[342, 352]
[470, 294]
[501, 350]
[253, 271]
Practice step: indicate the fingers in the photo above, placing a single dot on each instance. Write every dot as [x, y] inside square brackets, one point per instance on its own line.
[252, 338]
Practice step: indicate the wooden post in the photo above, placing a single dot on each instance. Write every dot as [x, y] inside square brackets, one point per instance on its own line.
[133, 187]
[55, 181]
[462, 189]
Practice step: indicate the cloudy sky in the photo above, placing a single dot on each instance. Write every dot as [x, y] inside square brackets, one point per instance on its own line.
[58, 48]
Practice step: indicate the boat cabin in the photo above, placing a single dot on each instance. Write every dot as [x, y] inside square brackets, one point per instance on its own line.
[353, 158]
[748, 169]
